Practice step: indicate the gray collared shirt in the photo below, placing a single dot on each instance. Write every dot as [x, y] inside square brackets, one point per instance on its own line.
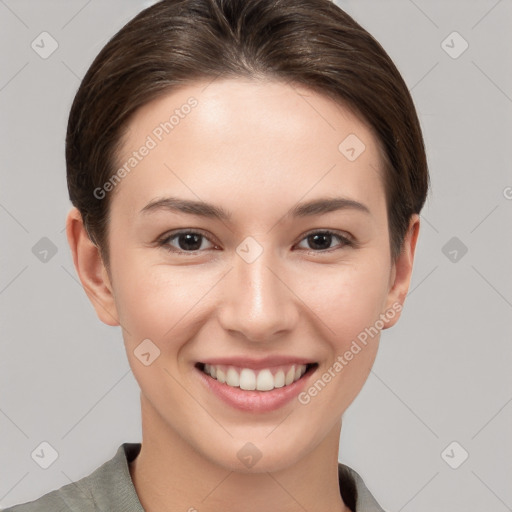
[110, 489]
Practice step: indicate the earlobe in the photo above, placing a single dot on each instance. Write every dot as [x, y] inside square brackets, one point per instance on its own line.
[91, 269]
[401, 273]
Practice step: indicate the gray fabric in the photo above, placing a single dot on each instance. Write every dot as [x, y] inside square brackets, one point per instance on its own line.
[110, 489]
[365, 500]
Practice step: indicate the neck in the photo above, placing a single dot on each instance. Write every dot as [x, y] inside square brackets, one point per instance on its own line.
[168, 475]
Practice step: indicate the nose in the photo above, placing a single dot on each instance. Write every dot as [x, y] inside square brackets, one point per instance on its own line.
[259, 305]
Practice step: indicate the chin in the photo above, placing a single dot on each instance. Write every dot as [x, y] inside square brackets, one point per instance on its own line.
[261, 455]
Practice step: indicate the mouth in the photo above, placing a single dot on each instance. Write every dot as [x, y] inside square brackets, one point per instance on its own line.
[262, 379]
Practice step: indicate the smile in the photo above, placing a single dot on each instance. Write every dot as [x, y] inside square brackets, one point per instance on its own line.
[264, 379]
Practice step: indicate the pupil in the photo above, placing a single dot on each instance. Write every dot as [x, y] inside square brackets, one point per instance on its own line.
[190, 237]
[325, 236]
[193, 241]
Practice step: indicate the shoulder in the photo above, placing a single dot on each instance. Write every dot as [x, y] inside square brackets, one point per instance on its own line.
[74, 497]
[94, 491]
[354, 491]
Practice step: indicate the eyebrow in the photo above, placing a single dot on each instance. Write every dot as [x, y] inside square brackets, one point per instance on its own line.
[308, 209]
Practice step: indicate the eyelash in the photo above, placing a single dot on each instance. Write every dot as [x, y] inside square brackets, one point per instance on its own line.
[346, 241]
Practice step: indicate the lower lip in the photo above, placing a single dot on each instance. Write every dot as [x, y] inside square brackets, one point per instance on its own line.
[255, 401]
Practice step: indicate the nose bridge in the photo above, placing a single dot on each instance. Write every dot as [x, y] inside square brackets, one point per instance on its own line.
[258, 304]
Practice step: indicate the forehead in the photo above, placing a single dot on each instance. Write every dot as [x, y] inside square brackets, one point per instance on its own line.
[268, 141]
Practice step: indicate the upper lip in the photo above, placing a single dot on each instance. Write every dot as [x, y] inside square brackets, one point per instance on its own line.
[257, 363]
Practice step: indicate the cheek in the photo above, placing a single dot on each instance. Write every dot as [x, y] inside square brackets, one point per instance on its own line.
[349, 299]
[348, 304]
[153, 299]
[156, 301]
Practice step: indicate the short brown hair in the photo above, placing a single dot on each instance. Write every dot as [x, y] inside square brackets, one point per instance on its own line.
[312, 43]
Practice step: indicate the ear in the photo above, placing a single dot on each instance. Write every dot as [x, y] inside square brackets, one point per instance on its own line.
[400, 275]
[90, 269]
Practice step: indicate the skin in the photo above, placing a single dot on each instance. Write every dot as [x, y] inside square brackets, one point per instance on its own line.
[256, 148]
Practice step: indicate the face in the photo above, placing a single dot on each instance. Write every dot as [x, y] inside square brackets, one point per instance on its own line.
[268, 283]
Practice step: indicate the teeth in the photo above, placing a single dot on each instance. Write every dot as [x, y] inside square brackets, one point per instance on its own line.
[265, 380]
[262, 380]
[232, 378]
[279, 379]
[289, 376]
[247, 379]
[221, 376]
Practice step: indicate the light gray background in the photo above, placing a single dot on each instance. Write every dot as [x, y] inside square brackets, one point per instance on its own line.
[442, 373]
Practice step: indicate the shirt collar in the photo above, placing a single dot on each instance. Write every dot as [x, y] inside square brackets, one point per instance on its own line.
[115, 474]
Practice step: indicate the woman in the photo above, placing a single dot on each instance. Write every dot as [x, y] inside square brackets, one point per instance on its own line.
[247, 178]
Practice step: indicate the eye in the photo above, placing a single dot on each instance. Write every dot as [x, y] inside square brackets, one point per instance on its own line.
[187, 241]
[321, 240]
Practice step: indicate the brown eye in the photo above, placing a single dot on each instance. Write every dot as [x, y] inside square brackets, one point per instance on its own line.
[184, 241]
[320, 241]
